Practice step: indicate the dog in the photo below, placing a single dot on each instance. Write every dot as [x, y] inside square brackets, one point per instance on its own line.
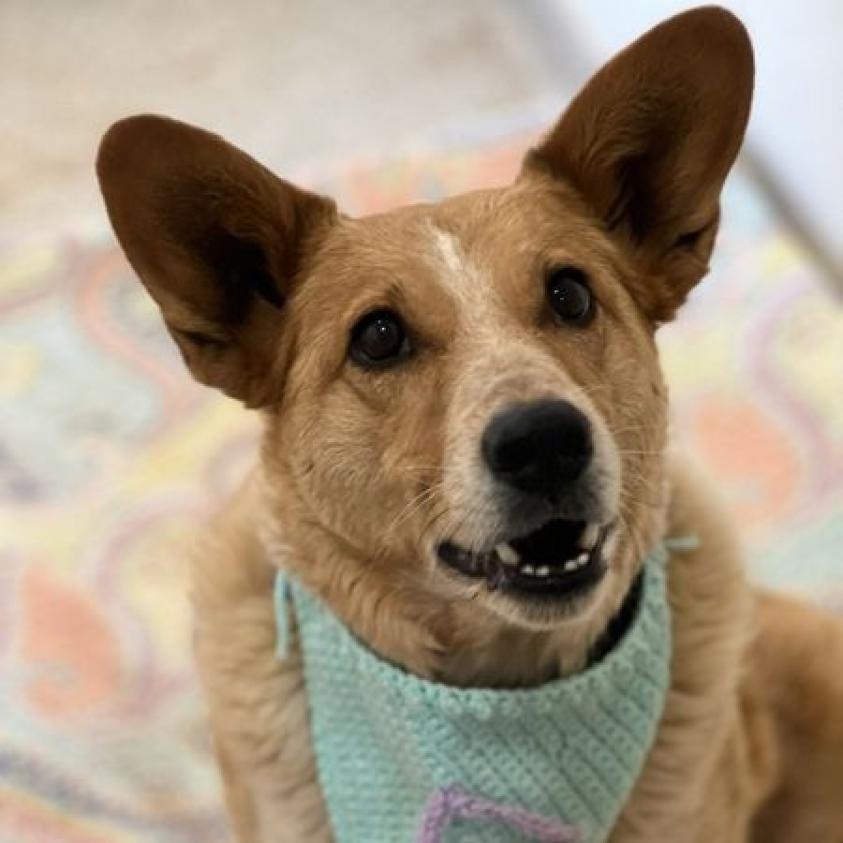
[465, 456]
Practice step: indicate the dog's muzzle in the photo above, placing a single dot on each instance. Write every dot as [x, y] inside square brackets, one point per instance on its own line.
[538, 453]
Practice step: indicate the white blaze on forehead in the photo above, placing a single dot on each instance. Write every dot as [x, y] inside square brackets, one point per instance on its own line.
[470, 288]
[450, 250]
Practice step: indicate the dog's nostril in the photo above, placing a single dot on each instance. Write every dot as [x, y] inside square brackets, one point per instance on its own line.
[538, 446]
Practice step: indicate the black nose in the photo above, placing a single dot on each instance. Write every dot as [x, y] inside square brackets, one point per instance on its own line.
[538, 446]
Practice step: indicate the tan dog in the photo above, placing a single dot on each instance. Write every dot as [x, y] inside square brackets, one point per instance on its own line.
[442, 382]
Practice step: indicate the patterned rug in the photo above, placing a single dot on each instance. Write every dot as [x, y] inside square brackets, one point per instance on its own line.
[110, 457]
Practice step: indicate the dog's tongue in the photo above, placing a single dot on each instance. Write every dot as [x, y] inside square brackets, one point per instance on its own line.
[555, 542]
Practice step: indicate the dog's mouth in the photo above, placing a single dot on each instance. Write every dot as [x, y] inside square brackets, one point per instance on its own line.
[558, 559]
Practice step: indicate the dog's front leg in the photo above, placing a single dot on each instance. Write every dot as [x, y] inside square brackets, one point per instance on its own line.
[257, 703]
[267, 765]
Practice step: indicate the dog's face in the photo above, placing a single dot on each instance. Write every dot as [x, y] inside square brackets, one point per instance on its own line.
[462, 399]
[474, 401]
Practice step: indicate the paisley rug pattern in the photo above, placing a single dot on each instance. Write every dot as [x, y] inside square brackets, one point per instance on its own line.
[110, 458]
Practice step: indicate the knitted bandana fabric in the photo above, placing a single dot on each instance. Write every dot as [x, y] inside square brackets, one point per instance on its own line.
[405, 760]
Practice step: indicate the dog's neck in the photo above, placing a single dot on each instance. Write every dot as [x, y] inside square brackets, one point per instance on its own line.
[452, 643]
[511, 656]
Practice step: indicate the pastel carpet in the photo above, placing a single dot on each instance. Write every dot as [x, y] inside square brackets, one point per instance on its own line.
[110, 458]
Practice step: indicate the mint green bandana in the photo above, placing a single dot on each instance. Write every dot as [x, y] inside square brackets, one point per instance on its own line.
[405, 760]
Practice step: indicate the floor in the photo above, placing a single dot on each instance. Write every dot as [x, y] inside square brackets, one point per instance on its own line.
[298, 83]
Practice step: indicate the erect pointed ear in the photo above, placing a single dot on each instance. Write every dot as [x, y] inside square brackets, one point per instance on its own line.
[217, 240]
[648, 144]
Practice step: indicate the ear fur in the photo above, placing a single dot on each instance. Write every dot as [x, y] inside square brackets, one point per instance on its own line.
[217, 240]
[649, 141]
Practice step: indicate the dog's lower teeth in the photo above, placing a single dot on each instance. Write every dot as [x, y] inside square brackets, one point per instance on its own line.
[569, 565]
[589, 536]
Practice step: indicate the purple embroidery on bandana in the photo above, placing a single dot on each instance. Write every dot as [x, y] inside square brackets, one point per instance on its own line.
[451, 803]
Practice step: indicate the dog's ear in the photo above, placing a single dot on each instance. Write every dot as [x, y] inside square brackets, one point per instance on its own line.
[648, 144]
[217, 240]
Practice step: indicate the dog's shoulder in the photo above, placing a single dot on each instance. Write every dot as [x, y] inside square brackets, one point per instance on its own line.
[712, 611]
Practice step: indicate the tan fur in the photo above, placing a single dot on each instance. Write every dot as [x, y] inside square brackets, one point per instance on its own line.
[363, 471]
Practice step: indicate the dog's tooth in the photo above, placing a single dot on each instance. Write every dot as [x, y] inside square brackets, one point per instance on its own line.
[590, 535]
[582, 559]
[570, 565]
[543, 571]
[507, 554]
[527, 569]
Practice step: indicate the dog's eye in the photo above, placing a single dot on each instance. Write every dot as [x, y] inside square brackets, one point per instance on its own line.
[569, 296]
[378, 339]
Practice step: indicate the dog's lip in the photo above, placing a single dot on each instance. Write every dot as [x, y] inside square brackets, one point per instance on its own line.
[505, 567]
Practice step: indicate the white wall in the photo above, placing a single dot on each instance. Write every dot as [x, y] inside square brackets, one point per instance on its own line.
[797, 122]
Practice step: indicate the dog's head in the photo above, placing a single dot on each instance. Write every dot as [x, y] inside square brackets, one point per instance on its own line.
[463, 400]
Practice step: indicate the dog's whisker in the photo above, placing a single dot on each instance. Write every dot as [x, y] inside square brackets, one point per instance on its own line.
[413, 506]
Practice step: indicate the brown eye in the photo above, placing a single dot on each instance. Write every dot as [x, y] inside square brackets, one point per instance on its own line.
[378, 339]
[569, 296]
